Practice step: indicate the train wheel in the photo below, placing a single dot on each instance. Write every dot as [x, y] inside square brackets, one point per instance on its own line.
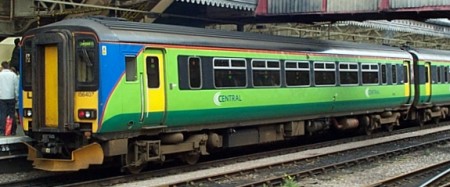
[369, 128]
[420, 119]
[364, 121]
[129, 167]
[190, 158]
[135, 169]
[436, 120]
[389, 127]
[130, 163]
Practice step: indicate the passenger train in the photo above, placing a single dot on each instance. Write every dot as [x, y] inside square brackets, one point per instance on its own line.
[94, 90]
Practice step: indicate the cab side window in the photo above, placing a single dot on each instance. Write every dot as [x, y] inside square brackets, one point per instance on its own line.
[130, 68]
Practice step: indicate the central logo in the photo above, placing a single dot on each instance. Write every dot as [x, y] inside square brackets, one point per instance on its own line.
[218, 98]
[370, 92]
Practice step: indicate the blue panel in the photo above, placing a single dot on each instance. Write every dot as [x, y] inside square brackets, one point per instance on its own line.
[112, 67]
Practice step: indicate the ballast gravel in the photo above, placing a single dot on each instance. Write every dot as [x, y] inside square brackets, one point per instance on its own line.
[21, 176]
[364, 175]
[360, 175]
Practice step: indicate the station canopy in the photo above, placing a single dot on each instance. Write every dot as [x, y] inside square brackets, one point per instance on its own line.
[249, 5]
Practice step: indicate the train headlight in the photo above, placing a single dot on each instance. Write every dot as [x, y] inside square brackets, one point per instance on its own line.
[27, 112]
[87, 114]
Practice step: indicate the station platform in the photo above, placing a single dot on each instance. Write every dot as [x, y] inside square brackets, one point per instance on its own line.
[13, 146]
[13, 152]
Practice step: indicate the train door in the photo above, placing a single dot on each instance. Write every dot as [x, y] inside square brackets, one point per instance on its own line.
[407, 80]
[428, 81]
[133, 98]
[50, 53]
[155, 90]
[52, 82]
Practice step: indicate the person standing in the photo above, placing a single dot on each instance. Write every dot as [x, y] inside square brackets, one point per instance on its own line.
[9, 85]
[15, 56]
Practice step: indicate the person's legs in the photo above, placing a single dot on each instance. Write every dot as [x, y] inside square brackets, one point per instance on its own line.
[3, 108]
[17, 118]
[11, 110]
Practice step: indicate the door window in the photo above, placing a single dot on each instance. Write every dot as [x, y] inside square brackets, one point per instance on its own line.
[153, 72]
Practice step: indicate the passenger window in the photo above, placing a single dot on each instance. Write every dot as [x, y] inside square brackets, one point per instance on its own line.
[266, 73]
[195, 77]
[383, 74]
[438, 74]
[394, 74]
[348, 73]
[369, 73]
[325, 73]
[297, 73]
[405, 74]
[446, 74]
[442, 74]
[152, 72]
[229, 73]
[130, 68]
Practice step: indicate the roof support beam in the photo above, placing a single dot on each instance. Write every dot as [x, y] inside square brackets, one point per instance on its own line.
[159, 8]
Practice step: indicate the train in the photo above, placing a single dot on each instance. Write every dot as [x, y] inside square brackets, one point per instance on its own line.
[98, 90]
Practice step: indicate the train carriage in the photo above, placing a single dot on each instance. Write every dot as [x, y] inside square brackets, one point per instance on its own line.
[95, 89]
[431, 68]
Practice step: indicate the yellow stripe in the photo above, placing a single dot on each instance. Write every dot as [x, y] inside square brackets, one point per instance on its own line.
[428, 84]
[51, 85]
[407, 84]
[27, 103]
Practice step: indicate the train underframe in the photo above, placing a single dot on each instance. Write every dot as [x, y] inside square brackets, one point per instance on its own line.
[141, 151]
[135, 153]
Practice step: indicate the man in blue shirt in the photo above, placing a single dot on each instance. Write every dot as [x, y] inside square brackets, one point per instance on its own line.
[9, 85]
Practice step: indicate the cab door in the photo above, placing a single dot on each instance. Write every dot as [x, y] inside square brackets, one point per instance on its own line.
[132, 96]
[154, 76]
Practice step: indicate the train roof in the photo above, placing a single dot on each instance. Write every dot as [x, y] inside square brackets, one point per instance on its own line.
[117, 30]
[431, 54]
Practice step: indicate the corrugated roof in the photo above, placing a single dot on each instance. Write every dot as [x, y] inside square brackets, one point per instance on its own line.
[404, 26]
[249, 5]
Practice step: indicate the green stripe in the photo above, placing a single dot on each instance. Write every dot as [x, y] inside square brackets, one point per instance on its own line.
[243, 114]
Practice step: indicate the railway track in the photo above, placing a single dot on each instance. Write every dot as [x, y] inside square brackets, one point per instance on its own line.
[311, 163]
[433, 175]
[277, 180]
